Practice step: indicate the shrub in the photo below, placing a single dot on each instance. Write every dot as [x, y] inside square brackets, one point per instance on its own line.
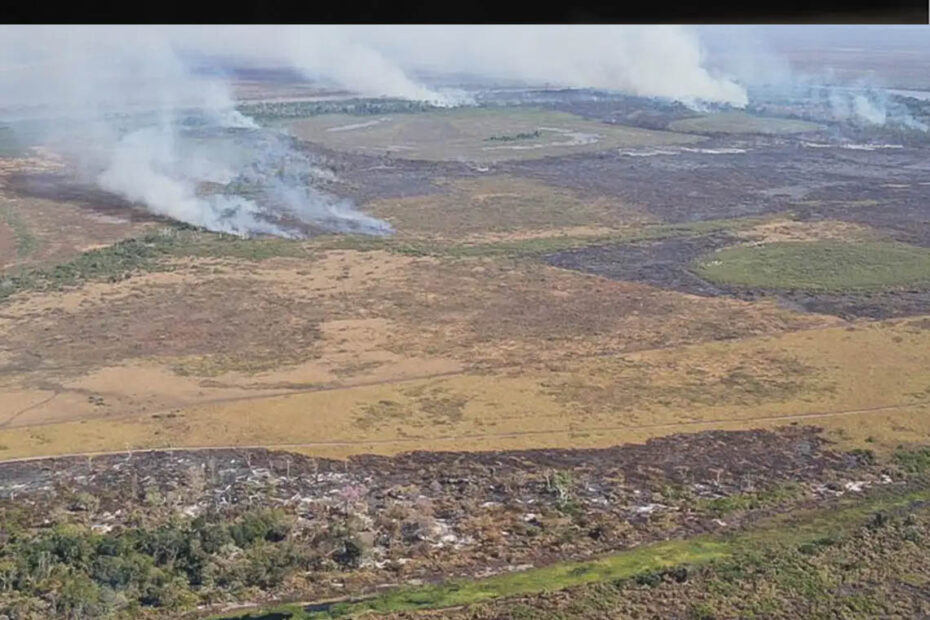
[270, 525]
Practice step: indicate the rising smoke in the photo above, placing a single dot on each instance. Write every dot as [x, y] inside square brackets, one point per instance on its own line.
[654, 61]
[135, 121]
[834, 73]
[140, 123]
[126, 106]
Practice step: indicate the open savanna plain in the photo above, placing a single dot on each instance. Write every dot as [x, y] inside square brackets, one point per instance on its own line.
[585, 353]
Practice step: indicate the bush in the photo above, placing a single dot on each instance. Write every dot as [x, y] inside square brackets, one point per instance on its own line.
[269, 565]
[79, 597]
[269, 525]
[913, 461]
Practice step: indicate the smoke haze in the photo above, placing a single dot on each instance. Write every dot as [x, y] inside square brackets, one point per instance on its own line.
[846, 70]
[129, 109]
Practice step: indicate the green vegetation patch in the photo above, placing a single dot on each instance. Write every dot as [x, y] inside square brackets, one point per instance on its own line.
[741, 122]
[876, 570]
[913, 461]
[276, 110]
[70, 571]
[818, 266]
[751, 501]
[144, 254]
[529, 135]
[109, 264]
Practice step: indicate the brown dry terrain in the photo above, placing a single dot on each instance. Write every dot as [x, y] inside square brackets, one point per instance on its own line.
[534, 354]
[392, 347]
[502, 207]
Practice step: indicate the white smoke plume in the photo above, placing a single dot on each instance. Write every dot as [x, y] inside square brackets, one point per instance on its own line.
[797, 63]
[125, 105]
[122, 105]
[652, 61]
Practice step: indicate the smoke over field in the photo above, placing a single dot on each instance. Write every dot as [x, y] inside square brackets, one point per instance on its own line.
[237, 179]
[146, 112]
[132, 119]
[125, 107]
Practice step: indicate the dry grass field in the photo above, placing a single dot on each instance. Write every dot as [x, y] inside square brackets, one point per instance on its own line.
[476, 134]
[453, 334]
[741, 123]
[545, 377]
[499, 207]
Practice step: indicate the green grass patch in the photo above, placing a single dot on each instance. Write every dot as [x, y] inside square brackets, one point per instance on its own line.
[913, 461]
[818, 527]
[461, 134]
[739, 502]
[109, 264]
[559, 576]
[818, 266]
[275, 110]
[26, 242]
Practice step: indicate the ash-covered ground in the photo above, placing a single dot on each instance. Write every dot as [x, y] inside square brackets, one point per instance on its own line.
[423, 515]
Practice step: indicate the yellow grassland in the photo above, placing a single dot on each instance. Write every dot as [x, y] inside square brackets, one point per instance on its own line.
[864, 382]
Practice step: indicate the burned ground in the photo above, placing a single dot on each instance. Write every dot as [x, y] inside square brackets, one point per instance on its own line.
[728, 461]
[60, 186]
[424, 514]
[664, 263]
[772, 175]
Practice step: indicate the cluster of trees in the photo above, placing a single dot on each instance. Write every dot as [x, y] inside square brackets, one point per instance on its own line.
[270, 110]
[71, 571]
[519, 136]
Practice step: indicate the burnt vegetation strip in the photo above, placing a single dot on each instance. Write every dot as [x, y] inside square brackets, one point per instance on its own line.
[531, 135]
[162, 532]
[805, 555]
[875, 566]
